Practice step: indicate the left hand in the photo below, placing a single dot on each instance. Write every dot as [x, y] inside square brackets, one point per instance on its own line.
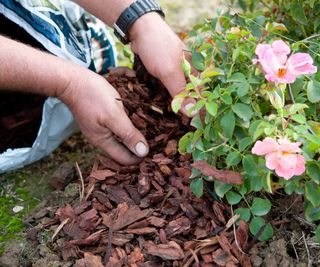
[161, 51]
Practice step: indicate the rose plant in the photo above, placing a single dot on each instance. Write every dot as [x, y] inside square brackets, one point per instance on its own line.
[257, 92]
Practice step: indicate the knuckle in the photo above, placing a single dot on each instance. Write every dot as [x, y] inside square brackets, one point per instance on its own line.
[128, 136]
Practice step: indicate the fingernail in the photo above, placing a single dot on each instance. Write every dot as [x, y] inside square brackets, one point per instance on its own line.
[190, 109]
[141, 149]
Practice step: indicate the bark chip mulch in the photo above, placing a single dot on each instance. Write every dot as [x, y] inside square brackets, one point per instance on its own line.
[146, 215]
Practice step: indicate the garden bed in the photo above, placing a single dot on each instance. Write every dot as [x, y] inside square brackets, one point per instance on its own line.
[146, 215]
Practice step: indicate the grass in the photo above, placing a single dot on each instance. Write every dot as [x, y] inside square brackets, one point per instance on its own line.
[29, 186]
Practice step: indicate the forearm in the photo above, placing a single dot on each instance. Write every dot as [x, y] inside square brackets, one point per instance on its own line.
[106, 10]
[23, 68]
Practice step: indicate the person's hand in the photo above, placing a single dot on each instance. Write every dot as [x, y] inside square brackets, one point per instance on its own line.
[102, 119]
[161, 51]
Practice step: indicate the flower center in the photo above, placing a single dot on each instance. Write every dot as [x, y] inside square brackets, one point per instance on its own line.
[282, 72]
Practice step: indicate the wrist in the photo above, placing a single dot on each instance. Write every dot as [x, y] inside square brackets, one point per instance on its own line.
[74, 76]
[145, 25]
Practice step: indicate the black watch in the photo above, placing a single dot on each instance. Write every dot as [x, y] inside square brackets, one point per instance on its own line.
[131, 14]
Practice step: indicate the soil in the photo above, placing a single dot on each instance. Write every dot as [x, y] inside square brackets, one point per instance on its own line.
[20, 117]
[145, 215]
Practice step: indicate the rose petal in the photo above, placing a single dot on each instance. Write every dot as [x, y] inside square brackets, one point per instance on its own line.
[267, 146]
[300, 167]
[289, 147]
[270, 62]
[280, 48]
[272, 161]
[285, 173]
[287, 161]
[301, 63]
[261, 49]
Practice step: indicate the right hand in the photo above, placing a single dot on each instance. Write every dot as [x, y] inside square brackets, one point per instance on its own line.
[101, 118]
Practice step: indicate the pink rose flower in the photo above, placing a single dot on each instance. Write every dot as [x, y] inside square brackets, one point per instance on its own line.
[278, 67]
[281, 156]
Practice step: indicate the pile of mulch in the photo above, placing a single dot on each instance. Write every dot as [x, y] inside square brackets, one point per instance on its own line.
[20, 118]
[145, 215]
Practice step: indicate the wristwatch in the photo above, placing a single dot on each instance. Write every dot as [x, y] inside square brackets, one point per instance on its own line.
[131, 14]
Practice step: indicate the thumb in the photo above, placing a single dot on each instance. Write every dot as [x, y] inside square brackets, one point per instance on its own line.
[129, 135]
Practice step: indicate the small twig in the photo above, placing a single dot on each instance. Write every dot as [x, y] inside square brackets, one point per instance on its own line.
[150, 106]
[90, 190]
[190, 260]
[235, 234]
[82, 182]
[276, 223]
[109, 247]
[307, 249]
[294, 249]
[170, 192]
[195, 256]
[56, 232]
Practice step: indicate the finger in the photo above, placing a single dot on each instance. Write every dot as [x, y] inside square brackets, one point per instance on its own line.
[117, 151]
[176, 83]
[130, 136]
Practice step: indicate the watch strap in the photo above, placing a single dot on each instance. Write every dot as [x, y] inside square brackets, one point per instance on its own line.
[131, 14]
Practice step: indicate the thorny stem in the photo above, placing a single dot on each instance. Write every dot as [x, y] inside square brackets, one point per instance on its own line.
[265, 4]
[291, 94]
[311, 37]
[293, 102]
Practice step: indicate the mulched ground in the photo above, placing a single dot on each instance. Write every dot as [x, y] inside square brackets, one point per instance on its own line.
[145, 215]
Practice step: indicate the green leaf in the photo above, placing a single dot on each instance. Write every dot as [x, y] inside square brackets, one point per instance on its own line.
[186, 67]
[313, 91]
[236, 53]
[184, 142]
[244, 213]
[312, 138]
[209, 73]
[313, 171]
[260, 206]
[318, 234]
[176, 104]
[256, 224]
[228, 123]
[312, 213]
[241, 83]
[299, 118]
[312, 193]
[197, 187]
[227, 99]
[243, 111]
[297, 107]
[212, 108]
[297, 12]
[249, 165]
[244, 143]
[233, 198]
[196, 122]
[221, 188]
[198, 60]
[233, 159]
